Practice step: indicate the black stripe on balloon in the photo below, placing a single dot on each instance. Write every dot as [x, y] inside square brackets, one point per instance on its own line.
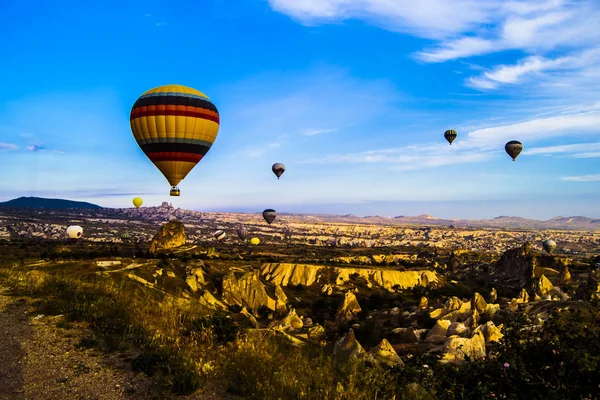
[175, 148]
[174, 101]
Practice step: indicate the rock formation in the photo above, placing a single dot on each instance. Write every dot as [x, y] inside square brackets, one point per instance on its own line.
[348, 308]
[385, 354]
[169, 236]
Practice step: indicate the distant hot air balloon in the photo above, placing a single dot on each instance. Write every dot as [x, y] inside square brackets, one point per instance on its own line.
[137, 202]
[219, 235]
[175, 126]
[450, 135]
[513, 148]
[278, 169]
[74, 232]
[549, 245]
[255, 241]
[242, 233]
[269, 215]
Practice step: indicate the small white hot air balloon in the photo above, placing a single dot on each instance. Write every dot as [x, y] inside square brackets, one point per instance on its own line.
[74, 232]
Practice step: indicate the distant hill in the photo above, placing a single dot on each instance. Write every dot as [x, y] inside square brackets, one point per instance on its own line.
[39, 202]
[428, 220]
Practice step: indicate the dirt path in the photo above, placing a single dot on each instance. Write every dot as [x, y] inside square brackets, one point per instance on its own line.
[41, 357]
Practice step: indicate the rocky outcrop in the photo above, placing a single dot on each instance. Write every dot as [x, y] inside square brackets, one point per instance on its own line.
[517, 263]
[316, 333]
[493, 296]
[348, 308]
[304, 274]
[385, 354]
[564, 276]
[347, 348]
[437, 334]
[456, 348]
[291, 323]
[375, 259]
[249, 291]
[194, 277]
[540, 287]
[169, 236]
[589, 290]
[491, 332]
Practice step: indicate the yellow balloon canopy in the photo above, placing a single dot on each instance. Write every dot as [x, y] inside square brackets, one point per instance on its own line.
[175, 126]
[137, 202]
[255, 241]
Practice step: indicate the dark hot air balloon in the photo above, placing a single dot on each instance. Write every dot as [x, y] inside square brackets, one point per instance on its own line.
[450, 135]
[513, 148]
[175, 126]
[549, 245]
[242, 233]
[278, 169]
[269, 215]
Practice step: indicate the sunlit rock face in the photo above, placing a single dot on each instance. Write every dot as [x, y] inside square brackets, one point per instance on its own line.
[285, 274]
[249, 291]
[169, 236]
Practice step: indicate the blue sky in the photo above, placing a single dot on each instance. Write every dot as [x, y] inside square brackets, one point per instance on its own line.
[353, 96]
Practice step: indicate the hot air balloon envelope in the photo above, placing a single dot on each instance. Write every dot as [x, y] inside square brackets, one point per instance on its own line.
[220, 235]
[74, 232]
[242, 233]
[513, 148]
[269, 215]
[450, 135]
[175, 126]
[255, 241]
[549, 245]
[137, 202]
[278, 169]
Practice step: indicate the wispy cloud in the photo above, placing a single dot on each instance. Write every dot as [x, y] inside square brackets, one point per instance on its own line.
[147, 15]
[313, 132]
[411, 157]
[582, 178]
[161, 23]
[258, 151]
[577, 150]
[319, 101]
[8, 146]
[466, 28]
[35, 147]
[536, 129]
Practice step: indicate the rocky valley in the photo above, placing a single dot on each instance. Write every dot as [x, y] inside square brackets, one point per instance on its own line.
[383, 296]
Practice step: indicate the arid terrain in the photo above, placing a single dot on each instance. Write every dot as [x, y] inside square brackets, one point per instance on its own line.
[324, 307]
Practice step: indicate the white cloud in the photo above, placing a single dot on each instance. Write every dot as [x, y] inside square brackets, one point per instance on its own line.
[582, 178]
[35, 147]
[577, 148]
[161, 23]
[313, 132]
[425, 18]
[536, 129]
[410, 157]
[255, 151]
[8, 146]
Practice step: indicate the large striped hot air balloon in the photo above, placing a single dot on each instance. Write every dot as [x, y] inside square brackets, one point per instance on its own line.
[175, 126]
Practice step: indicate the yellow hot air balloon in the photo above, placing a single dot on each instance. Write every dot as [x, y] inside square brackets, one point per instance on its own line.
[137, 202]
[255, 241]
[175, 126]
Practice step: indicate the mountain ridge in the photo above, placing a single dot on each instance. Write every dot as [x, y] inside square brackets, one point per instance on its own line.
[424, 220]
[42, 202]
